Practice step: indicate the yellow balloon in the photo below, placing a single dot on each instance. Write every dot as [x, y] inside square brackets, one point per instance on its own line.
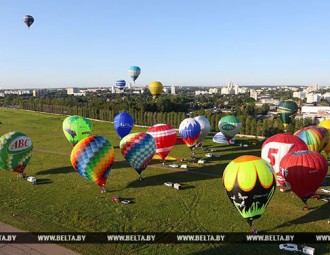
[156, 88]
[326, 124]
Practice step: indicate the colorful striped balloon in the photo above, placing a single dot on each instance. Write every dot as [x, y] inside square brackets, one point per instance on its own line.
[165, 137]
[315, 137]
[138, 149]
[93, 157]
[190, 131]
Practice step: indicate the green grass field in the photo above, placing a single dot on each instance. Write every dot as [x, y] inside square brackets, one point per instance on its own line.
[64, 201]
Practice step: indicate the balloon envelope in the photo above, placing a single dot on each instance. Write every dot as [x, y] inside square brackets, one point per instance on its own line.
[229, 126]
[287, 110]
[134, 72]
[120, 84]
[92, 158]
[205, 127]
[156, 88]
[326, 124]
[76, 128]
[28, 20]
[315, 137]
[15, 151]
[189, 131]
[276, 147]
[220, 138]
[250, 184]
[304, 171]
[123, 124]
[165, 137]
[138, 149]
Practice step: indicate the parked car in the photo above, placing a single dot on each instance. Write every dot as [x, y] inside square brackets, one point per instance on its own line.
[174, 165]
[116, 199]
[32, 179]
[209, 155]
[125, 202]
[289, 247]
[168, 184]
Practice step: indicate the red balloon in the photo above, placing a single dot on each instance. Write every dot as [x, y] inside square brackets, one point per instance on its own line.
[304, 171]
[276, 147]
[165, 137]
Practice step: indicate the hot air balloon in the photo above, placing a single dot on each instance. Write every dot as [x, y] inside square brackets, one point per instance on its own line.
[76, 128]
[123, 124]
[229, 126]
[304, 171]
[156, 88]
[315, 137]
[326, 124]
[287, 110]
[220, 138]
[120, 84]
[165, 137]
[134, 72]
[205, 128]
[250, 184]
[138, 149]
[28, 20]
[190, 131]
[92, 158]
[15, 152]
[276, 147]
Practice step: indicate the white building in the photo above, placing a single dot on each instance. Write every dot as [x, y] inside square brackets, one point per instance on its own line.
[213, 90]
[72, 91]
[299, 94]
[173, 90]
[313, 98]
[200, 92]
[254, 94]
[39, 92]
[313, 88]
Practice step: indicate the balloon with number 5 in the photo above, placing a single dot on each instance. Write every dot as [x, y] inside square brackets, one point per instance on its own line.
[276, 147]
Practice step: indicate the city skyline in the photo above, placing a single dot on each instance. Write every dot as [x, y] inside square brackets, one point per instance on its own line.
[182, 43]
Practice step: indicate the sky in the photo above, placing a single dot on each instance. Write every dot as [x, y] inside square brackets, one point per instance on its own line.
[92, 43]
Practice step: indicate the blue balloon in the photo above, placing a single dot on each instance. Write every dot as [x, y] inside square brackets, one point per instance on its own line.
[123, 123]
[134, 72]
[189, 131]
[120, 84]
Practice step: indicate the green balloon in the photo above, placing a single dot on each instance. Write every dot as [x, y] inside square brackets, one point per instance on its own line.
[76, 128]
[15, 151]
[287, 109]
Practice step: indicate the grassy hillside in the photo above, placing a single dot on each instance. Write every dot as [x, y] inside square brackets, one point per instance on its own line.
[64, 201]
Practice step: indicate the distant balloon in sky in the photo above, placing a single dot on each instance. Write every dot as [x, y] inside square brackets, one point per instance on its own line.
[28, 20]
[15, 151]
[92, 158]
[287, 109]
[123, 124]
[120, 84]
[156, 88]
[134, 72]
[76, 128]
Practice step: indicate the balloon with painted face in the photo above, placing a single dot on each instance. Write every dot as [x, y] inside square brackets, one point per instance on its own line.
[250, 184]
[15, 151]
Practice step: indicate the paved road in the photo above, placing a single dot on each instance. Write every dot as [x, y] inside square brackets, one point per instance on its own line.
[30, 248]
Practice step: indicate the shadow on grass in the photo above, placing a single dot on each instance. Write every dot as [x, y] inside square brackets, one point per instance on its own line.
[61, 170]
[44, 181]
[319, 213]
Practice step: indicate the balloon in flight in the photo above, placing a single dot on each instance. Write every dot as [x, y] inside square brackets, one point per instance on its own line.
[134, 72]
[138, 150]
[165, 137]
[120, 84]
[156, 88]
[287, 110]
[93, 158]
[250, 184]
[15, 151]
[123, 123]
[76, 128]
[28, 20]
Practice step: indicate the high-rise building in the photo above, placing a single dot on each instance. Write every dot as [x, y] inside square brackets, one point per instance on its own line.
[173, 90]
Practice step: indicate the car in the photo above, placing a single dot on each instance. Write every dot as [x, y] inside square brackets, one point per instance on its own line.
[213, 149]
[174, 165]
[289, 247]
[245, 145]
[325, 190]
[217, 155]
[209, 155]
[177, 186]
[116, 199]
[32, 179]
[168, 184]
[184, 166]
[201, 161]
[326, 199]
[125, 201]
